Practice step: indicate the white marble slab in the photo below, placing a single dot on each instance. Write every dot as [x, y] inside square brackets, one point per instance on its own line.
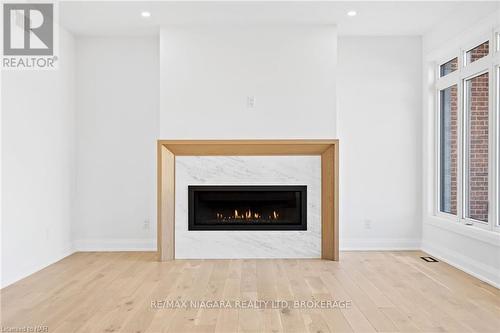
[254, 170]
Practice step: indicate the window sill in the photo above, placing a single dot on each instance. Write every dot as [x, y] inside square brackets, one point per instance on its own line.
[487, 236]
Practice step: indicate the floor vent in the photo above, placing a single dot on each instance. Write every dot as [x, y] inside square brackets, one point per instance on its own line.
[429, 259]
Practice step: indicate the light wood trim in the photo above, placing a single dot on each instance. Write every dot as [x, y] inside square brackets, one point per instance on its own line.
[166, 204]
[327, 149]
[249, 142]
[336, 207]
[159, 198]
[329, 204]
[247, 147]
[326, 203]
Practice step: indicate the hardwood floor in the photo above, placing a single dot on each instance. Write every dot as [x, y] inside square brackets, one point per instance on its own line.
[118, 292]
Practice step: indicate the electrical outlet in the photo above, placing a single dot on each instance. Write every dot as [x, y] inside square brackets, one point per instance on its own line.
[250, 102]
[146, 225]
[368, 224]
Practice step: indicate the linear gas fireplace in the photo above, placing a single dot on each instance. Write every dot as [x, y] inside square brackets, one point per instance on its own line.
[247, 207]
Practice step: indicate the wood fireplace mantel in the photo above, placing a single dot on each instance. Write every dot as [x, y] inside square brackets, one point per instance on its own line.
[327, 149]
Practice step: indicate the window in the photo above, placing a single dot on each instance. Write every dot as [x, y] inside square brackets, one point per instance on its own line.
[477, 136]
[477, 53]
[467, 140]
[497, 206]
[448, 147]
[448, 67]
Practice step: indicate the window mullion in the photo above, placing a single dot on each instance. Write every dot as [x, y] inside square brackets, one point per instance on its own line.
[461, 146]
[494, 148]
[491, 147]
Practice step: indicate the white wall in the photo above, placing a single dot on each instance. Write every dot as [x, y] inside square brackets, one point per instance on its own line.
[471, 249]
[117, 126]
[38, 171]
[462, 22]
[379, 133]
[379, 126]
[207, 72]
[118, 114]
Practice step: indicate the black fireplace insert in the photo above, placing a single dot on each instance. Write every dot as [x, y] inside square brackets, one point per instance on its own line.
[247, 207]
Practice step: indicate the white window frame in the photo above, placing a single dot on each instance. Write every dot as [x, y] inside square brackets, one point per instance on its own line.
[496, 147]
[496, 121]
[438, 154]
[489, 64]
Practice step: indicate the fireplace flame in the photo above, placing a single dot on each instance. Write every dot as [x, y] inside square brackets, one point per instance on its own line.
[247, 215]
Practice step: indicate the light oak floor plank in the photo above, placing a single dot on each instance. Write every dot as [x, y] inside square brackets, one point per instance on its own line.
[124, 291]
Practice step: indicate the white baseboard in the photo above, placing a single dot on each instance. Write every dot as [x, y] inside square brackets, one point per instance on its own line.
[357, 244]
[481, 271]
[391, 244]
[86, 245]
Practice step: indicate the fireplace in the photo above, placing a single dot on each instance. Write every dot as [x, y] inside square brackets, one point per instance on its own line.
[247, 207]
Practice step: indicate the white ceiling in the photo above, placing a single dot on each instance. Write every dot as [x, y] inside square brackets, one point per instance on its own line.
[374, 18]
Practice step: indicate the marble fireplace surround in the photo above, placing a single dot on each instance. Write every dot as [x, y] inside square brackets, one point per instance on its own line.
[169, 149]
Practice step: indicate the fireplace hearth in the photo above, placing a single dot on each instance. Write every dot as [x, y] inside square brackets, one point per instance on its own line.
[247, 207]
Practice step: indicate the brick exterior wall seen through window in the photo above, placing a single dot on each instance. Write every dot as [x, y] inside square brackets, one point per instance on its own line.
[449, 150]
[478, 52]
[477, 108]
